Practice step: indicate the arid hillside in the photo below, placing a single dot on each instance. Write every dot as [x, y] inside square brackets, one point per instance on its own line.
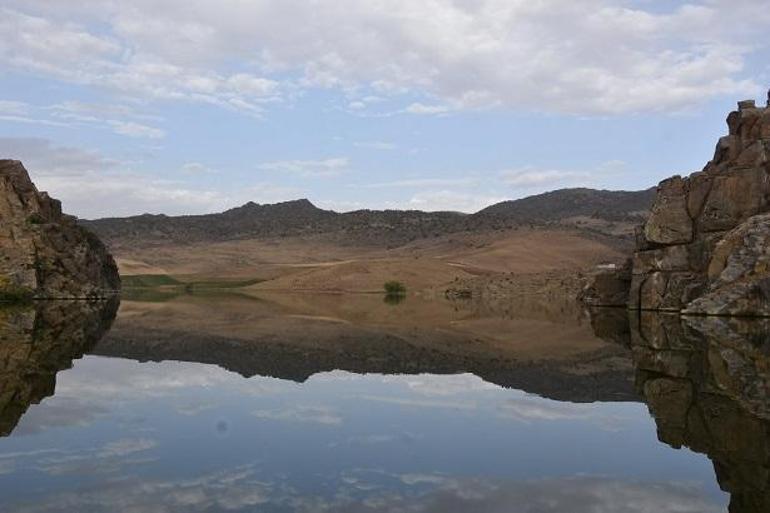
[297, 246]
[587, 208]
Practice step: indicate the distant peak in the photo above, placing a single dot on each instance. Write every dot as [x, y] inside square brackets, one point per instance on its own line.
[302, 202]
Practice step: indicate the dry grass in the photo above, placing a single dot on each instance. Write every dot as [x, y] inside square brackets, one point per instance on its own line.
[428, 264]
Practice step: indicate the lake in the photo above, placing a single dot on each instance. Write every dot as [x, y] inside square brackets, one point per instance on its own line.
[301, 403]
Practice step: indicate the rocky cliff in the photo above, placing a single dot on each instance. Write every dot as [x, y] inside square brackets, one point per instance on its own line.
[704, 248]
[44, 253]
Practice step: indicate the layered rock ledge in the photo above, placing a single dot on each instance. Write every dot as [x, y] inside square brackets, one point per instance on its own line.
[705, 249]
[45, 254]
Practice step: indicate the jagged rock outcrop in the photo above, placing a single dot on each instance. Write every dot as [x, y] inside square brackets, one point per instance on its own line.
[36, 342]
[44, 253]
[703, 249]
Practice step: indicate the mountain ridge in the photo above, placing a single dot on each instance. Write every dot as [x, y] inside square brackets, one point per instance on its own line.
[302, 218]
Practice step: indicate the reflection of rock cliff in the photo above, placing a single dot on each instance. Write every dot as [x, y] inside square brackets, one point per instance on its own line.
[43, 252]
[38, 342]
[707, 383]
[706, 245]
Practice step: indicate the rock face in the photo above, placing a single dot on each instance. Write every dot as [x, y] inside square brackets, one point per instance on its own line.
[44, 253]
[704, 248]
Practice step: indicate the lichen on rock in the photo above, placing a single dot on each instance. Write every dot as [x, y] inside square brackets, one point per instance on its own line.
[45, 254]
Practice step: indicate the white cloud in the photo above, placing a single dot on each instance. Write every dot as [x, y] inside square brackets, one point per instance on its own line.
[530, 177]
[419, 182]
[132, 129]
[196, 168]
[91, 185]
[322, 167]
[42, 158]
[13, 107]
[73, 114]
[420, 108]
[440, 200]
[376, 145]
[592, 57]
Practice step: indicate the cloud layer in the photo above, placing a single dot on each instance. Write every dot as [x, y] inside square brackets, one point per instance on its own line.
[591, 57]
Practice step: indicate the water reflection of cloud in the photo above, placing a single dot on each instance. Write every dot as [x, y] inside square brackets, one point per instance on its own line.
[241, 489]
[7, 467]
[192, 409]
[576, 495]
[531, 409]
[110, 457]
[234, 490]
[302, 414]
[457, 384]
[422, 403]
[59, 412]
[378, 438]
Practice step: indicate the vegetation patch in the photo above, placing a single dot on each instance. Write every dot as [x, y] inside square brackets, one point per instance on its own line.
[147, 281]
[167, 285]
[395, 288]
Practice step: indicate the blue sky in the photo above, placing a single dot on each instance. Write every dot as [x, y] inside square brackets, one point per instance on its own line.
[196, 106]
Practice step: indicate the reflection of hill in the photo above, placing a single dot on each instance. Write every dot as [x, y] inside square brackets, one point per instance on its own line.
[39, 341]
[707, 383]
[294, 337]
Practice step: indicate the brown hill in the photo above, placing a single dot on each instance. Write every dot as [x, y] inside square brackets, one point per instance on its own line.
[614, 212]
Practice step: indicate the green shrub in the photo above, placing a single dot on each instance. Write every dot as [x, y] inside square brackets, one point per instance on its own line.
[393, 299]
[395, 288]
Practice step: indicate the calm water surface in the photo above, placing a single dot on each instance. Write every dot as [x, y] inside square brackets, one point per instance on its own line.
[350, 404]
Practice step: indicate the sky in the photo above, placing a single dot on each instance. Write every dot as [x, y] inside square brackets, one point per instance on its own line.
[122, 107]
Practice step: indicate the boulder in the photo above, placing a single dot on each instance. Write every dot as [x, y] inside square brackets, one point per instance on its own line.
[608, 286]
[45, 254]
[669, 221]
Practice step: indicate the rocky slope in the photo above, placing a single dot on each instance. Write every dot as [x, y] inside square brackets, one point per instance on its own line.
[44, 253]
[574, 207]
[704, 248]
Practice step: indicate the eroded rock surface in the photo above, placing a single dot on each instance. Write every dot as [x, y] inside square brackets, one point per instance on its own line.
[704, 248]
[44, 253]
